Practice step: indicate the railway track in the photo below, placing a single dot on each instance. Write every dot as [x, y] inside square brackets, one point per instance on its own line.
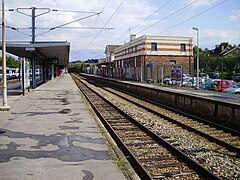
[150, 154]
[208, 147]
[228, 138]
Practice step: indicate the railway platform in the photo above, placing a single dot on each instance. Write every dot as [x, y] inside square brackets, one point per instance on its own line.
[50, 134]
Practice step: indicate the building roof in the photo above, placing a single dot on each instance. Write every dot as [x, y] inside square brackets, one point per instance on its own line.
[43, 50]
[228, 51]
[154, 38]
[111, 47]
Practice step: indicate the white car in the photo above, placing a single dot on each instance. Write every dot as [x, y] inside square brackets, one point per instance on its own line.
[186, 76]
[190, 82]
[235, 89]
[167, 80]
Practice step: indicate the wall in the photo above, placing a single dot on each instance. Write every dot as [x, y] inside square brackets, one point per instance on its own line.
[225, 113]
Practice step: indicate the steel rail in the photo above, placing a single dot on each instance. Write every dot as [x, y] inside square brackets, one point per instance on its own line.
[199, 119]
[209, 137]
[140, 169]
[190, 162]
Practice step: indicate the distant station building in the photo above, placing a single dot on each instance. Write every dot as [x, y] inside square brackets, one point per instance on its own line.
[106, 66]
[90, 66]
[103, 67]
[151, 57]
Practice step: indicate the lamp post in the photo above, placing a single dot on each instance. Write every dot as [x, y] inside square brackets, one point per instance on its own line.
[196, 29]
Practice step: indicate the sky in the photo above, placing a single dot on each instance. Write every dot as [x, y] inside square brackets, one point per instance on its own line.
[97, 23]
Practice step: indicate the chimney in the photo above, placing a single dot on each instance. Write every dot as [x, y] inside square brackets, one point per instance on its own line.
[132, 37]
[222, 48]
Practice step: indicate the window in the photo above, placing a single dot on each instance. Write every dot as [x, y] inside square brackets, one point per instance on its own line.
[153, 46]
[139, 47]
[172, 62]
[226, 83]
[182, 47]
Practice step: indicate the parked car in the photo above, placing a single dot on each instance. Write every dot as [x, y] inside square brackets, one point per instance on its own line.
[179, 82]
[206, 85]
[214, 75]
[191, 82]
[234, 89]
[236, 77]
[186, 76]
[204, 75]
[167, 80]
[220, 85]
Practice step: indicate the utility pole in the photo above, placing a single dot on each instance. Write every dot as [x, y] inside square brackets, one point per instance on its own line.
[5, 106]
[33, 16]
[197, 85]
[34, 84]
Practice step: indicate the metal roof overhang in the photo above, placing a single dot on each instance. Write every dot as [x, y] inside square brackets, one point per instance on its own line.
[43, 50]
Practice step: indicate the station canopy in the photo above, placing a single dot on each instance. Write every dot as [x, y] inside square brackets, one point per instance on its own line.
[57, 51]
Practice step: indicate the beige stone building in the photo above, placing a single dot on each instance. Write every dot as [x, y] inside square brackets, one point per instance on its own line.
[151, 57]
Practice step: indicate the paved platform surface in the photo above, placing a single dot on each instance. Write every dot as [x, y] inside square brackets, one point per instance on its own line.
[216, 96]
[50, 134]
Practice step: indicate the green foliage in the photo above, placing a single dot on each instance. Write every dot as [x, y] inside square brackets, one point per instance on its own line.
[75, 67]
[10, 62]
[210, 61]
[227, 75]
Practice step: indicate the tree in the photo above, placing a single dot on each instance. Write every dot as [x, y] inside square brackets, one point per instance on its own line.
[10, 62]
[219, 48]
[75, 67]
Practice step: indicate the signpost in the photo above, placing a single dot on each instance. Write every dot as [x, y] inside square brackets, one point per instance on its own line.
[177, 73]
[150, 65]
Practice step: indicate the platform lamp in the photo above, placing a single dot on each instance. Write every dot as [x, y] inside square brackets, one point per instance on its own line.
[196, 29]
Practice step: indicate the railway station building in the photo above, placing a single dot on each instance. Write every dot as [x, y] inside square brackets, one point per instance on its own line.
[152, 57]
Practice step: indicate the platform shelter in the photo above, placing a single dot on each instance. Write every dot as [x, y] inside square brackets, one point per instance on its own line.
[49, 58]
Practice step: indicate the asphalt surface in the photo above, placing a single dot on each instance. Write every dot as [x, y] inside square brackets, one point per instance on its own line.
[50, 134]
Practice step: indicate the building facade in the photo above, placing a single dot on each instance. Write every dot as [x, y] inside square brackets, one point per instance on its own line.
[109, 51]
[152, 57]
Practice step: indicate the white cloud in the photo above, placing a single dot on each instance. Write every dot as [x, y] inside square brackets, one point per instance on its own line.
[235, 17]
[212, 37]
[200, 2]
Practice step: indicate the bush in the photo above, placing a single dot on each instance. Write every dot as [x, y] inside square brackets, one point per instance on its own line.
[75, 68]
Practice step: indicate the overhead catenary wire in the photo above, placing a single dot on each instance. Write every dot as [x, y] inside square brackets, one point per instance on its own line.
[74, 21]
[57, 10]
[152, 14]
[56, 27]
[71, 11]
[171, 14]
[196, 15]
[16, 29]
[104, 25]
[59, 26]
[73, 27]
[144, 20]
[94, 24]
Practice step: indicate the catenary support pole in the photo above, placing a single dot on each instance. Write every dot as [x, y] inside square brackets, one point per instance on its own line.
[5, 106]
[34, 84]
